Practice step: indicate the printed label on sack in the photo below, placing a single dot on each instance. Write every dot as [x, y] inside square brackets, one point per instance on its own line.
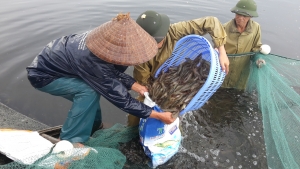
[173, 129]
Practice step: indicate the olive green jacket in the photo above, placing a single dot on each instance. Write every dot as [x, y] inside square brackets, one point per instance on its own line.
[248, 41]
[200, 26]
[236, 43]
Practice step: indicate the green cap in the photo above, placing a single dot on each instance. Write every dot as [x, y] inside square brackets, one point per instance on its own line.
[245, 8]
[157, 25]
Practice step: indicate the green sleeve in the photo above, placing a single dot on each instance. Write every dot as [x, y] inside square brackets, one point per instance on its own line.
[141, 72]
[257, 40]
[200, 26]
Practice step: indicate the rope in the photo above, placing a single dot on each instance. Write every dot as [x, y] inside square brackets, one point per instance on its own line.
[242, 54]
[254, 53]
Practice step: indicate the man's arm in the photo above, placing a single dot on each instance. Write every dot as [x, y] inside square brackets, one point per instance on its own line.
[200, 26]
[224, 61]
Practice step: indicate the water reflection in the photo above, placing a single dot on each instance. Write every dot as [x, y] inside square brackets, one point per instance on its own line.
[27, 26]
[226, 132]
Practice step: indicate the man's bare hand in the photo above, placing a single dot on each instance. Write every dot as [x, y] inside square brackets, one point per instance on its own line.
[224, 61]
[165, 117]
[139, 88]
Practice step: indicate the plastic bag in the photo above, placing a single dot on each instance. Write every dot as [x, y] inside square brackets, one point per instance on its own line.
[160, 141]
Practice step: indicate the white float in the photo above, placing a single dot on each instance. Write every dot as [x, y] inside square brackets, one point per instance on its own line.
[63, 149]
[265, 49]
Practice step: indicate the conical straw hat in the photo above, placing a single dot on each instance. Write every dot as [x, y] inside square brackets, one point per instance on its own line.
[121, 41]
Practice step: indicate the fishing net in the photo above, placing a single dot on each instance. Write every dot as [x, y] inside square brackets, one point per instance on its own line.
[101, 151]
[277, 85]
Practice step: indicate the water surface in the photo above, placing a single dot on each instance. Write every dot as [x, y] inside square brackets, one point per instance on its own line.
[27, 26]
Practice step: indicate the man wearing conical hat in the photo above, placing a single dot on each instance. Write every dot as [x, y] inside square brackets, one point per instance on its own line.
[83, 67]
[243, 35]
[166, 36]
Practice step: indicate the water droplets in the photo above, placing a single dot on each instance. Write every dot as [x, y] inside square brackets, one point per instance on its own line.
[254, 162]
[184, 150]
[216, 163]
[215, 152]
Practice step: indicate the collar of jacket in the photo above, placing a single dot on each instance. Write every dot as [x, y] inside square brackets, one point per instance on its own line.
[233, 28]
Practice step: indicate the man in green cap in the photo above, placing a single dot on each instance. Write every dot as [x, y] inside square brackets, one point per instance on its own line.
[243, 35]
[166, 36]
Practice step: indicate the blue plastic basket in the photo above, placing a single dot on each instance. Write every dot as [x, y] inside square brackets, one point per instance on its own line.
[190, 47]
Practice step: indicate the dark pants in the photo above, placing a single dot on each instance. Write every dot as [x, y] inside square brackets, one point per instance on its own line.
[84, 117]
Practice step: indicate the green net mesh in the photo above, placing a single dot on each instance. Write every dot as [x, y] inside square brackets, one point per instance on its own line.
[277, 84]
[101, 151]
